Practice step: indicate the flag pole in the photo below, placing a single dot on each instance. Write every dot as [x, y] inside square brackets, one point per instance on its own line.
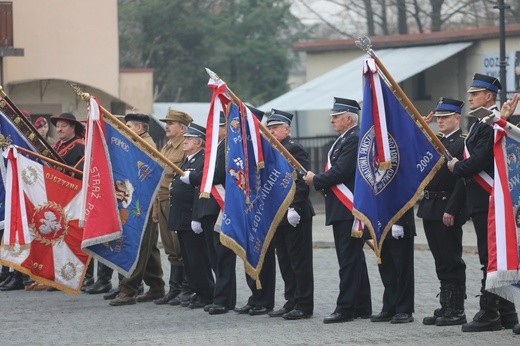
[276, 143]
[365, 45]
[25, 126]
[5, 142]
[86, 97]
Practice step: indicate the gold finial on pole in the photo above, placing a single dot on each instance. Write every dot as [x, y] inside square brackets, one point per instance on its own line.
[84, 96]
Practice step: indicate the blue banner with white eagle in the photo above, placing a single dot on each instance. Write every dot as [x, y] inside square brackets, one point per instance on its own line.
[384, 192]
[136, 181]
[256, 197]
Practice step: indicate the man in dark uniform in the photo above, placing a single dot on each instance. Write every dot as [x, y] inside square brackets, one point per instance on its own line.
[205, 214]
[495, 312]
[443, 210]
[193, 243]
[293, 237]
[148, 266]
[354, 299]
[396, 270]
[261, 301]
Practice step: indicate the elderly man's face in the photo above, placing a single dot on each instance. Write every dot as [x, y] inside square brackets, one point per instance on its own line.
[65, 130]
[341, 122]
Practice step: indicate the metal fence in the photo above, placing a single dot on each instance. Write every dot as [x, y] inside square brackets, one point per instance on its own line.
[317, 147]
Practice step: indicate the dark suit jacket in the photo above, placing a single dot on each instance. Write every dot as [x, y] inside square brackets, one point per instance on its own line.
[480, 146]
[301, 202]
[209, 206]
[342, 170]
[182, 196]
[454, 201]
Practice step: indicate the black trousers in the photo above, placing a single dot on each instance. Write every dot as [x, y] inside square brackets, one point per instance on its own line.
[223, 263]
[196, 264]
[264, 297]
[446, 246]
[397, 275]
[294, 251]
[354, 286]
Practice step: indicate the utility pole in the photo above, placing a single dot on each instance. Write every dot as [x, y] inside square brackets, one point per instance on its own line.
[502, 39]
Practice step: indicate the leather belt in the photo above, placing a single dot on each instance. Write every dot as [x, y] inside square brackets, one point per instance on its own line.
[436, 194]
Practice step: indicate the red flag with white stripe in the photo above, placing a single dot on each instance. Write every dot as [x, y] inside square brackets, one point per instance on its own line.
[503, 269]
[99, 209]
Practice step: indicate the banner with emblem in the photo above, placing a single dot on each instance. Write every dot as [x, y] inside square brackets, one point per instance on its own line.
[136, 181]
[383, 194]
[42, 235]
[503, 270]
[256, 198]
[9, 134]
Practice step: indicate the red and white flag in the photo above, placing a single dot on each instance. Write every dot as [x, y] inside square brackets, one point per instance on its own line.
[52, 252]
[100, 216]
[219, 102]
[503, 270]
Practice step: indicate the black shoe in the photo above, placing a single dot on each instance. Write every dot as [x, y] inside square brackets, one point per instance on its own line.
[516, 329]
[111, 295]
[258, 310]
[6, 279]
[336, 317]
[182, 298]
[401, 317]
[244, 309]
[362, 314]
[197, 304]
[279, 312]
[87, 282]
[383, 316]
[167, 298]
[484, 321]
[217, 309]
[296, 314]
[509, 320]
[140, 290]
[99, 287]
[207, 307]
[4, 275]
[14, 284]
[451, 319]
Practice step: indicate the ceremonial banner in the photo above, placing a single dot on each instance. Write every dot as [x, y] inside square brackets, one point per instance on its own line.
[383, 194]
[136, 178]
[44, 230]
[256, 198]
[99, 207]
[9, 132]
[503, 270]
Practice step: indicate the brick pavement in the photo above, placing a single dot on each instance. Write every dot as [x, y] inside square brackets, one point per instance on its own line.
[44, 318]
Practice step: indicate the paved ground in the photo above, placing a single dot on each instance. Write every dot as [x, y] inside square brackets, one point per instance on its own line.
[45, 318]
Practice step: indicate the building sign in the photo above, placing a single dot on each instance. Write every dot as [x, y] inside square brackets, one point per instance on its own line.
[491, 67]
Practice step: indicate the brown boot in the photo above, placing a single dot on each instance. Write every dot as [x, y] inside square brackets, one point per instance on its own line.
[122, 299]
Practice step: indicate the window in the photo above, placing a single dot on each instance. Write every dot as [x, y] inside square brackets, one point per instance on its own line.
[6, 24]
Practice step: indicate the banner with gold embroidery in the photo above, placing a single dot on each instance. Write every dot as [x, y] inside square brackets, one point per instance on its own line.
[42, 237]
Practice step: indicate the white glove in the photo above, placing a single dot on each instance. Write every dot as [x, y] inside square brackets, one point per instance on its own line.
[397, 231]
[196, 227]
[186, 177]
[293, 217]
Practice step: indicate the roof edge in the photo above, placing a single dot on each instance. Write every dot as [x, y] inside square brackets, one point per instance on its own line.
[395, 41]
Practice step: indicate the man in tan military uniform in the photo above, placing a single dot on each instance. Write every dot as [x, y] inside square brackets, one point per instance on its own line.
[149, 263]
[176, 124]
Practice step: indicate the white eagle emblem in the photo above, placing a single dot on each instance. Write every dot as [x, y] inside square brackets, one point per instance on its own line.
[49, 223]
